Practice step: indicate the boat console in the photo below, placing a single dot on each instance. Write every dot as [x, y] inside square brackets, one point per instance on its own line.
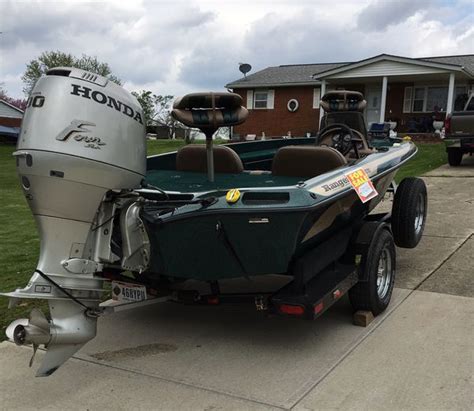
[343, 125]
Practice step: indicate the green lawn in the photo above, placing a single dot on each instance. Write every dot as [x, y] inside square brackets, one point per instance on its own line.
[19, 243]
[429, 157]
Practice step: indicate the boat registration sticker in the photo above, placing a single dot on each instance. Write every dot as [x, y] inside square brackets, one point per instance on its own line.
[128, 292]
[362, 185]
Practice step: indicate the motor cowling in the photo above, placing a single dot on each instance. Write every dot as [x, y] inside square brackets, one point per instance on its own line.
[79, 128]
[81, 137]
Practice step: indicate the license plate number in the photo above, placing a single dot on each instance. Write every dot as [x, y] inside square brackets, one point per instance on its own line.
[127, 291]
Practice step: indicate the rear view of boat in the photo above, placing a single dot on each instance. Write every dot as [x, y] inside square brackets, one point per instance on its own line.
[297, 207]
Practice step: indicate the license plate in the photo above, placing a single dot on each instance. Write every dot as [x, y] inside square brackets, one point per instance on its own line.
[128, 292]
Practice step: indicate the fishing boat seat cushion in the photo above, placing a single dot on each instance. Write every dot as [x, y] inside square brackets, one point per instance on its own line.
[193, 157]
[306, 161]
[209, 110]
[343, 100]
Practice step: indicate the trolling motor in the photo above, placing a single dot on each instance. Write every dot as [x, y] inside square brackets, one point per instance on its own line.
[82, 138]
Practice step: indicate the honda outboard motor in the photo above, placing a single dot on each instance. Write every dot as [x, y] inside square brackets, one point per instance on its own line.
[82, 137]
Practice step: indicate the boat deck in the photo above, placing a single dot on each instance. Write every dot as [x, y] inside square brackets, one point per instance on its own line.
[190, 182]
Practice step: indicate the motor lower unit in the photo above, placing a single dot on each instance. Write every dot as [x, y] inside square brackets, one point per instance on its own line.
[80, 151]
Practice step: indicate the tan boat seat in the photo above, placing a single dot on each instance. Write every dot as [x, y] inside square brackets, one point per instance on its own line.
[210, 110]
[193, 158]
[343, 100]
[306, 161]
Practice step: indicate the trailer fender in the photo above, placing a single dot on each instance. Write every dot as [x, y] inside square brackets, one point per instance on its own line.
[365, 237]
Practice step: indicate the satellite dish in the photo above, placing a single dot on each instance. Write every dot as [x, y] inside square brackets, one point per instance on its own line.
[244, 68]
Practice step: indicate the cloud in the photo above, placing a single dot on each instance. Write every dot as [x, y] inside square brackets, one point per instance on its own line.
[384, 13]
[183, 46]
[139, 44]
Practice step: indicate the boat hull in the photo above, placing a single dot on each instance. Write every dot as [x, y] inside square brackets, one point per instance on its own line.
[222, 244]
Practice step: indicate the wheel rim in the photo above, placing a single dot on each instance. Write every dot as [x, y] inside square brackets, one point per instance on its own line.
[420, 214]
[384, 273]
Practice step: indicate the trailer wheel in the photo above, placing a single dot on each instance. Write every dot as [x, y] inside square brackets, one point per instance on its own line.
[454, 157]
[409, 212]
[374, 292]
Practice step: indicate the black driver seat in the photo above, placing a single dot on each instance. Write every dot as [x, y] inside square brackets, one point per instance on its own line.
[306, 161]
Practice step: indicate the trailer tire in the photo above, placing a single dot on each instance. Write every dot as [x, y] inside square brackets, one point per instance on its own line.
[409, 212]
[378, 265]
[454, 157]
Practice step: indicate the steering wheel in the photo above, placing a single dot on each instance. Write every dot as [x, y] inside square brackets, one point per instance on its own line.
[343, 142]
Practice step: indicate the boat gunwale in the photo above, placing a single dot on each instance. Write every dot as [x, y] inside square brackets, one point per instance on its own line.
[284, 208]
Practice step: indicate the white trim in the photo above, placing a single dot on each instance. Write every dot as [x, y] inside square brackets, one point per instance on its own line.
[451, 90]
[273, 85]
[259, 91]
[425, 97]
[270, 99]
[14, 118]
[11, 105]
[407, 100]
[293, 100]
[387, 57]
[383, 99]
[322, 93]
[249, 99]
[316, 97]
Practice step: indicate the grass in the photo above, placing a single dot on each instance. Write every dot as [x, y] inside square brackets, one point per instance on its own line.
[19, 243]
[429, 157]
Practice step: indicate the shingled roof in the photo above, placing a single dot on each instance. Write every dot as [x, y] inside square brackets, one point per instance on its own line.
[466, 61]
[304, 74]
[296, 74]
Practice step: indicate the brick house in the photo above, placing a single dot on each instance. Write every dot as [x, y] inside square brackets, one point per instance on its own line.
[408, 91]
[10, 121]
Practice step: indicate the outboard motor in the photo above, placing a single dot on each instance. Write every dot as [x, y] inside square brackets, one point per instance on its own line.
[82, 137]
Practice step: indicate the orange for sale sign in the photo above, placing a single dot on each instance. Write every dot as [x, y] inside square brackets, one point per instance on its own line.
[362, 184]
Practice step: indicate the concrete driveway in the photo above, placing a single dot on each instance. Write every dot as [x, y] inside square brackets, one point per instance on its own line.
[418, 355]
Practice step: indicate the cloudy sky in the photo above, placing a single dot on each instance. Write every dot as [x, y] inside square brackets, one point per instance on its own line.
[174, 47]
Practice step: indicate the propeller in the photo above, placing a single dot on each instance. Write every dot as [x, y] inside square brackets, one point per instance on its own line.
[35, 330]
[69, 329]
[11, 328]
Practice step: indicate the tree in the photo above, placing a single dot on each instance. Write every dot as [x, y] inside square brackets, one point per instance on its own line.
[17, 102]
[148, 102]
[163, 110]
[49, 59]
[157, 109]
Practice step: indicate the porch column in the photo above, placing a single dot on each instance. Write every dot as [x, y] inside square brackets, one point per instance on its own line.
[323, 92]
[383, 100]
[449, 105]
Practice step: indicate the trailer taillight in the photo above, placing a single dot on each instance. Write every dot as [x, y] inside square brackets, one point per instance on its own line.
[291, 309]
[447, 124]
[318, 308]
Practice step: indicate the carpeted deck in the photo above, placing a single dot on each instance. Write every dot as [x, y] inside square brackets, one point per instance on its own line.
[186, 182]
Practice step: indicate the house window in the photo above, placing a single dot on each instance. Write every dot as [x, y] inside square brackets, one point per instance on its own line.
[316, 97]
[260, 99]
[419, 99]
[427, 99]
[407, 99]
[460, 98]
[437, 98]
